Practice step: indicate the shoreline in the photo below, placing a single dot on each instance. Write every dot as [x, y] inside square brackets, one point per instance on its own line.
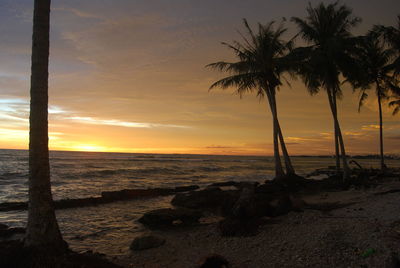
[368, 223]
[329, 217]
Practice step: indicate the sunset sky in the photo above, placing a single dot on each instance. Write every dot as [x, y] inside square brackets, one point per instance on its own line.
[130, 76]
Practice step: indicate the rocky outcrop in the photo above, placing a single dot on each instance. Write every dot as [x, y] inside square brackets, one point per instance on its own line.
[6, 232]
[106, 197]
[169, 217]
[146, 242]
[209, 198]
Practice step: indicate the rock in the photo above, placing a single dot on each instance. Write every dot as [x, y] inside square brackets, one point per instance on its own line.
[269, 188]
[245, 206]
[135, 193]
[246, 184]
[298, 204]
[224, 184]
[4, 233]
[9, 206]
[168, 217]
[281, 205]
[204, 199]
[146, 242]
[186, 188]
[291, 182]
[215, 261]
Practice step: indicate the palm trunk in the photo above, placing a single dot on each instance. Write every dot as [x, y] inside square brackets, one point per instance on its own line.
[337, 153]
[42, 230]
[336, 136]
[346, 170]
[381, 130]
[288, 163]
[278, 164]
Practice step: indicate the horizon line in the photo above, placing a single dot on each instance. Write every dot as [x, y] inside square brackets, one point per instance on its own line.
[261, 155]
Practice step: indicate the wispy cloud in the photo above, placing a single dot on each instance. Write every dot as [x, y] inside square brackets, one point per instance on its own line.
[218, 147]
[370, 127]
[78, 13]
[118, 123]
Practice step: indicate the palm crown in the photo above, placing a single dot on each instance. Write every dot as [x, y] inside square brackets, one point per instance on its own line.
[327, 30]
[261, 61]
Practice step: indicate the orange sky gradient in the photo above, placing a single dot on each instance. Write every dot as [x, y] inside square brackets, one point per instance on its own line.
[129, 76]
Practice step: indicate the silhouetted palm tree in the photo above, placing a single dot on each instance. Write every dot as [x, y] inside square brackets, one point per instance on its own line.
[261, 63]
[391, 35]
[375, 63]
[42, 230]
[327, 30]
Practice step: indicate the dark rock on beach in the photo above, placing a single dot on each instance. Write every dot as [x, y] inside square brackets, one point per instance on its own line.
[135, 193]
[146, 242]
[209, 198]
[224, 184]
[6, 232]
[179, 189]
[168, 217]
[215, 261]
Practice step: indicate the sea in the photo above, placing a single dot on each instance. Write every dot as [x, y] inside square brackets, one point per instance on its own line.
[110, 228]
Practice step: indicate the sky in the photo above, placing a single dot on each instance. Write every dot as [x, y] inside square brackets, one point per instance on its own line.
[130, 76]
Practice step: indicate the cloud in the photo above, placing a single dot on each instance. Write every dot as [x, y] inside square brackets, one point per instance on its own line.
[78, 13]
[370, 127]
[218, 147]
[118, 123]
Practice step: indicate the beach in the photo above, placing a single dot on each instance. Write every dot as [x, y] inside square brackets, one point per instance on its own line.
[364, 234]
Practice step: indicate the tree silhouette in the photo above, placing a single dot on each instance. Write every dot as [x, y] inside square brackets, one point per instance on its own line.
[327, 31]
[375, 61]
[42, 230]
[261, 62]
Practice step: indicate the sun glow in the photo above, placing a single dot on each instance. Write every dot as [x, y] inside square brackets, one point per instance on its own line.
[88, 148]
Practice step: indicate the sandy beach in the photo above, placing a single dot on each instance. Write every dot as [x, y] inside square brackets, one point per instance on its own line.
[363, 233]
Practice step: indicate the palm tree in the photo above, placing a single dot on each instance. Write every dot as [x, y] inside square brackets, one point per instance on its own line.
[391, 35]
[261, 61]
[42, 231]
[327, 31]
[375, 61]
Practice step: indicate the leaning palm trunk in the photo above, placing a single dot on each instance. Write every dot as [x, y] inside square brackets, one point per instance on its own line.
[288, 163]
[381, 131]
[332, 103]
[336, 137]
[42, 230]
[278, 164]
[337, 152]
[286, 157]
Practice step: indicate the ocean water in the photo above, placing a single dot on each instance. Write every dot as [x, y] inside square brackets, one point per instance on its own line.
[110, 228]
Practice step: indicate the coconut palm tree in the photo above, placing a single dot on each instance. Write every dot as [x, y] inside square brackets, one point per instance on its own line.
[42, 231]
[261, 61]
[326, 29]
[375, 61]
[391, 35]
